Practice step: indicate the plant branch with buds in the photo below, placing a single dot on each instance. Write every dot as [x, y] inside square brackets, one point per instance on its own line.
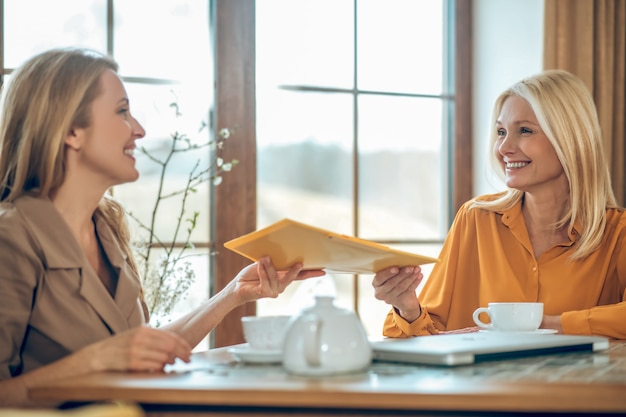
[167, 280]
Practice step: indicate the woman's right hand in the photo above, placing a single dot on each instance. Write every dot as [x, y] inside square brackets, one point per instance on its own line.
[139, 349]
[397, 286]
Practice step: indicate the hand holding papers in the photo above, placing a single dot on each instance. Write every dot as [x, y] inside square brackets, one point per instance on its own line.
[288, 242]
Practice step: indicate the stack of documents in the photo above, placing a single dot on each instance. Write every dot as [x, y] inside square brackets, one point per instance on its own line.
[288, 242]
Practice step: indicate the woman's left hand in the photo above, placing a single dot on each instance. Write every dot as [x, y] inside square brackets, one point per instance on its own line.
[472, 329]
[262, 280]
[552, 322]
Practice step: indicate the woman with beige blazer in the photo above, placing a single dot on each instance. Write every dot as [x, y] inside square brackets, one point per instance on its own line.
[70, 293]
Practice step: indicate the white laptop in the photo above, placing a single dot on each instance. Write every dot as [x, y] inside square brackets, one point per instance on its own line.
[468, 348]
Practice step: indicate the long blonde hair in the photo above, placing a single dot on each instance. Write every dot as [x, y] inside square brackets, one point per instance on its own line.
[567, 115]
[46, 97]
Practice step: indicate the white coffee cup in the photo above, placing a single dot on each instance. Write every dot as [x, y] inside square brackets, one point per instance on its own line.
[265, 332]
[511, 317]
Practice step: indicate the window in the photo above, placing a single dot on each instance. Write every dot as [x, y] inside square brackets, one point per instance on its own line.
[166, 58]
[354, 112]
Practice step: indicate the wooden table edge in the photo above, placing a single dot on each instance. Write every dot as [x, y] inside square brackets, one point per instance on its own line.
[509, 397]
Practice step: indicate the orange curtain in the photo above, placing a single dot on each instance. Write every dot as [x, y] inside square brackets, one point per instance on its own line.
[588, 38]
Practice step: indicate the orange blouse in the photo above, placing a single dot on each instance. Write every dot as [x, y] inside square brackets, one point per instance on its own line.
[487, 257]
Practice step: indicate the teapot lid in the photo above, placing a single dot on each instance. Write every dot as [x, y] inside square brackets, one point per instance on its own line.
[324, 300]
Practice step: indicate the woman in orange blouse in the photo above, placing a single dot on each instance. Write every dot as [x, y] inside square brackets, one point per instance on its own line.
[555, 235]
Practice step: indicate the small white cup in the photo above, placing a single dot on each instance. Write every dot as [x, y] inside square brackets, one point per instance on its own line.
[511, 317]
[265, 332]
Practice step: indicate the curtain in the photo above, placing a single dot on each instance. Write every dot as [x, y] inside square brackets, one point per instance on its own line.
[588, 38]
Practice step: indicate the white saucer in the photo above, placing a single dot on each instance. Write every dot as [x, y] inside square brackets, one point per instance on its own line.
[538, 331]
[247, 354]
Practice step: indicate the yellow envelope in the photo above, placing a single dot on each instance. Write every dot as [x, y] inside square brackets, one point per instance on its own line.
[288, 242]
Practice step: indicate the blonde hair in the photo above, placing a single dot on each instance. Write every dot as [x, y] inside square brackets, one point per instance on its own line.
[45, 98]
[567, 115]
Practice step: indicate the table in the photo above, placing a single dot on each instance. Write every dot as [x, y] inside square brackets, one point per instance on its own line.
[215, 384]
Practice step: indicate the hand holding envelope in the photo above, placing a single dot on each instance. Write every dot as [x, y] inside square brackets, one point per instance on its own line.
[288, 242]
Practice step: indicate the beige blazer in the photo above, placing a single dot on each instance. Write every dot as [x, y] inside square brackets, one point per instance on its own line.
[52, 303]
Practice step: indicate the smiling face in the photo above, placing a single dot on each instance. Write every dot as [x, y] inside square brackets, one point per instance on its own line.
[525, 152]
[105, 148]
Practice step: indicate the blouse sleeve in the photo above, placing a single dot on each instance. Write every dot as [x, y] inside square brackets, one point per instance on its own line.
[20, 269]
[396, 326]
[604, 320]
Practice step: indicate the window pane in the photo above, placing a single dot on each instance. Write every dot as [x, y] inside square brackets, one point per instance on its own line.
[305, 42]
[170, 42]
[304, 164]
[401, 173]
[400, 46]
[305, 173]
[62, 23]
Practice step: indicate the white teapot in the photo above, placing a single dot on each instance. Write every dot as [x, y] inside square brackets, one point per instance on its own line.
[326, 340]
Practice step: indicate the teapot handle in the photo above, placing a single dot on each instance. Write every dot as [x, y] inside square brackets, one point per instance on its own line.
[312, 340]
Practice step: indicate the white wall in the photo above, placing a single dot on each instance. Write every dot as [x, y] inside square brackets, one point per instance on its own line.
[508, 46]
